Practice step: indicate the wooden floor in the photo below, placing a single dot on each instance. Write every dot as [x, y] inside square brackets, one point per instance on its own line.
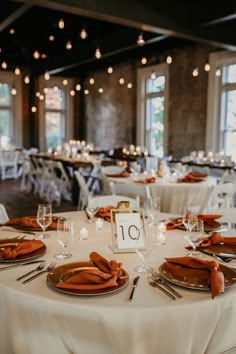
[24, 203]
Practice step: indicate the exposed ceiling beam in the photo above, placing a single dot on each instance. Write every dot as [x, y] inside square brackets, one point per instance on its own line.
[130, 13]
[14, 16]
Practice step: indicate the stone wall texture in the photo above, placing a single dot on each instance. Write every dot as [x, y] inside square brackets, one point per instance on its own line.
[110, 117]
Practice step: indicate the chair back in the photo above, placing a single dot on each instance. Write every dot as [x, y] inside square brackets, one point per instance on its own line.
[84, 192]
[111, 200]
[222, 196]
[3, 214]
[137, 190]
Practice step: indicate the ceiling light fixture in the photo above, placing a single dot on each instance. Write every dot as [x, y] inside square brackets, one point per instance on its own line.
[68, 45]
[17, 71]
[51, 38]
[153, 75]
[78, 87]
[144, 60]
[207, 67]
[110, 70]
[218, 72]
[91, 81]
[140, 40]
[83, 34]
[12, 31]
[98, 53]
[100, 90]
[169, 59]
[195, 72]
[47, 75]
[121, 81]
[36, 54]
[13, 91]
[27, 79]
[61, 23]
[65, 82]
[4, 65]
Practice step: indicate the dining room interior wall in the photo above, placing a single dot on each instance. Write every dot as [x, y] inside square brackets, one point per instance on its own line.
[111, 116]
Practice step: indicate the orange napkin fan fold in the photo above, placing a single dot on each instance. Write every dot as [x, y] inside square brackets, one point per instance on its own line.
[216, 276]
[216, 238]
[104, 276]
[22, 248]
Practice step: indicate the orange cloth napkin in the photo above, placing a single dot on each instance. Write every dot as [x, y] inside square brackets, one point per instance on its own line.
[216, 238]
[104, 276]
[174, 223]
[195, 266]
[22, 248]
[104, 212]
[30, 222]
[192, 178]
[121, 174]
[147, 180]
[208, 217]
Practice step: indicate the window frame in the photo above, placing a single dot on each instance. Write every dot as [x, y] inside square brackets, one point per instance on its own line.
[142, 96]
[69, 101]
[214, 138]
[16, 106]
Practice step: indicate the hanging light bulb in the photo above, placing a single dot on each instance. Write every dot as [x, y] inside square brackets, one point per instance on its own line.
[100, 90]
[140, 40]
[86, 92]
[47, 75]
[12, 31]
[65, 82]
[218, 72]
[33, 109]
[144, 60]
[13, 91]
[61, 23]
[169, 59]
[27, 79]
[91, 81]
[207, 67]
[153, 75]
[43, 56]
[72, 92]
[110, 70]
[36, 54]
[4, 65]
[195, 72]
[51, 38]
[17, 71]
[121, 81]
[98, 53]
[129, 85]
[78, 87]
[68, 45]
[83, 34]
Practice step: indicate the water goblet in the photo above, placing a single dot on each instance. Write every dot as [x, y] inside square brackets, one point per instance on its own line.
[44, 218]
[144, 246]
[65, 233]
[91, 212]
[153, 209]
[195, 237]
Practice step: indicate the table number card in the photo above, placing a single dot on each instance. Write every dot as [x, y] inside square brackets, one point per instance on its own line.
[127, 226]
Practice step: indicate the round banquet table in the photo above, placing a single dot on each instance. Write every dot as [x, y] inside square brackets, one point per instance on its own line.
[174, 196]
[37, 319]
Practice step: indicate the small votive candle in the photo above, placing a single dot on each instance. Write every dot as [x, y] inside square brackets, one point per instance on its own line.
[161, 233]
[99, 224]
[83, 234]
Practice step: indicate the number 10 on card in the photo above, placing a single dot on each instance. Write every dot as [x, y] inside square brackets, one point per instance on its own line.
[128, 230]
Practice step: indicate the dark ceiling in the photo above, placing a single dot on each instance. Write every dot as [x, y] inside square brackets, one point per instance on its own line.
[112, 25]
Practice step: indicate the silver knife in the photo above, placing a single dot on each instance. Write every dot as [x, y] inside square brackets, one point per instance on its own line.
[135, 283]
[20, 264]
[18, 231]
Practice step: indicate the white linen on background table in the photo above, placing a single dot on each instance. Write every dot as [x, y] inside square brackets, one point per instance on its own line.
[37, 319]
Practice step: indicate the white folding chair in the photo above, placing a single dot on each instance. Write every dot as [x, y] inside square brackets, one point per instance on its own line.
[228, 216]
[9, 164]
[3, 214]
[137, 190]
[84, 193]
[111, 200]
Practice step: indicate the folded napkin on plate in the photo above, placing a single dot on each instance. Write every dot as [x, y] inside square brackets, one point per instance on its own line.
[216, 238]
[198, 174]
[21, 249]
[174, 223]
[30, 222]
[208, 217]
[104, 276]
[188, 266]
[191, 177]
[120, 174]
[147, 180]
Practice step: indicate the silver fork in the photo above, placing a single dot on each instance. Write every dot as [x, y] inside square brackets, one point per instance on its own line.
[159, 279]
[48, 269]
[40, 267]
[156, 284]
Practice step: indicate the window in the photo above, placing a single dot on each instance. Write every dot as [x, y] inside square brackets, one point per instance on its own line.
[152, 109]
[10, 108]
[55, 113]
[221, 119]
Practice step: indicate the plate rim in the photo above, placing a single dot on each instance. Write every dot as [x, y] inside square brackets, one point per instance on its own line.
[37, 253]
[189, 286]
[77, 292]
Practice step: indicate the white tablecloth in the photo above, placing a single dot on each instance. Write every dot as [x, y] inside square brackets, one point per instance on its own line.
[37, 319]
[175, 196]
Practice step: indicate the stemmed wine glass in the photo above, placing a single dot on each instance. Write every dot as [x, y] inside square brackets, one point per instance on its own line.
[144, 247]
[65, 233]
[44, 218]
[153, 209]
[91, 212]
[195, 237]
